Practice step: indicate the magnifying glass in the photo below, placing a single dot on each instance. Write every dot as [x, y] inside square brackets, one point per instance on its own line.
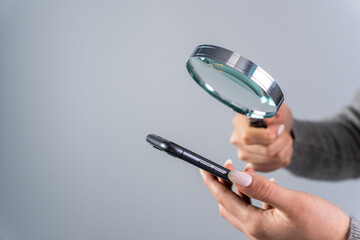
[236, 81]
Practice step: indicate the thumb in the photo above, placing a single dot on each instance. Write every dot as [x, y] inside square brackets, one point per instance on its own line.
[269, 121]
[274, 119]
[276, 129]
[260, 188]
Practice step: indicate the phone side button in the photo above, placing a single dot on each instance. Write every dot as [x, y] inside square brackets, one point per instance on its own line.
[206, 164]
[219, 170]
[158, 148]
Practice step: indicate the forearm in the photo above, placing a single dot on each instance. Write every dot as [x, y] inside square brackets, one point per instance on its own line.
[326, 150]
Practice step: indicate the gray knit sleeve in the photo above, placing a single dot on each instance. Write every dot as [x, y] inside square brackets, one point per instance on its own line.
[354, 233]
[328, 149]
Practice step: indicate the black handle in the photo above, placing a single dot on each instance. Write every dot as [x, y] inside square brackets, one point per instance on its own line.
[257, 123]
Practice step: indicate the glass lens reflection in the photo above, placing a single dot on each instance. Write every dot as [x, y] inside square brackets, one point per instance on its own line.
[231, 87]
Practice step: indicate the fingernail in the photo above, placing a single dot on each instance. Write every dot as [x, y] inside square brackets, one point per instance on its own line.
[249, 165]
[229, 161]
[240, 178]
[272, 180]
[280, 129]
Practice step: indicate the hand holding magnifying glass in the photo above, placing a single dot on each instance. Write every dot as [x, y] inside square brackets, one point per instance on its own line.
[268, 149]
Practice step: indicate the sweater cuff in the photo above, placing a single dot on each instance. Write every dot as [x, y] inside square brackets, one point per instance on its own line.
[354, 233]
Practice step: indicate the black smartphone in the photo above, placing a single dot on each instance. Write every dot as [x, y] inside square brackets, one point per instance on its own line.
[180, 152]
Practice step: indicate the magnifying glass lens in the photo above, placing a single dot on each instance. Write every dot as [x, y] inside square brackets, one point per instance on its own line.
[232, 87]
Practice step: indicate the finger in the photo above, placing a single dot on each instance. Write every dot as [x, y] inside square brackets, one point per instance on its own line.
[254, 157]
[229, 165]
[242, 131]
[260, 188]
[248, 167]
[267, 167]
[256, 149]
[235, 137]
[267, 206]
[263, 136]
[227, 198]
[243, 196]
[269, 150]
[269, 121]
[286, 153]
[284, 116]
[230, 218]
[281, 114]
[241, 121]
[278, 145]
[262, 163]
[277, 117]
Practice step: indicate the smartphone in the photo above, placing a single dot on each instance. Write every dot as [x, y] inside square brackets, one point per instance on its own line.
[178, 151]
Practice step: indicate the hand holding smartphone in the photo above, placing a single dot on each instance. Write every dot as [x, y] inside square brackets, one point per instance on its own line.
[178, 151]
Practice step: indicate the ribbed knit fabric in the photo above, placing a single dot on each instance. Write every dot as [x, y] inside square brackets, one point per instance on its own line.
[354, 233]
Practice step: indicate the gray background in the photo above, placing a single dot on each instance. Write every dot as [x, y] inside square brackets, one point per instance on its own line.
[83, 82]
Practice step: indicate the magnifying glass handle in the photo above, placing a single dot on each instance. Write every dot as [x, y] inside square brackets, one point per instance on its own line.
[257, 123]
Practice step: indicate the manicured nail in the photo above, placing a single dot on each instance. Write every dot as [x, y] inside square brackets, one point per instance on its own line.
[229, 161]
[280, 129]
[240, 178]
[248, 165]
